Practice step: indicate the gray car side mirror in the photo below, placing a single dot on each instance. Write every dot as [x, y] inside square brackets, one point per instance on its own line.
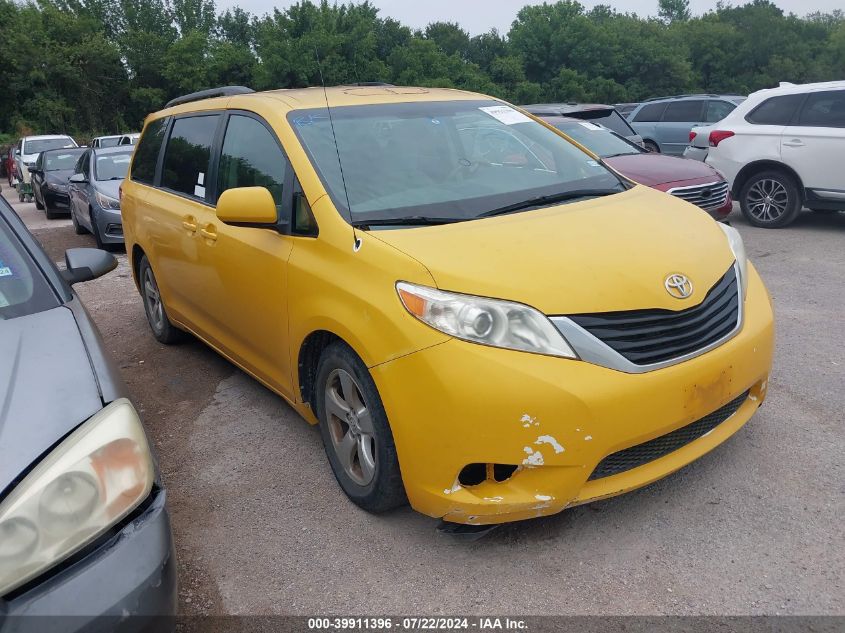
[78, 178]
[85, 264]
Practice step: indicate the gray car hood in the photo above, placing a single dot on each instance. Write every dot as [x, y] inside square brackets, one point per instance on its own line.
[47, 387]
[110, 188]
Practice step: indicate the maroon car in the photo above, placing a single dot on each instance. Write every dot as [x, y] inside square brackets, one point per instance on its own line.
[692, 180]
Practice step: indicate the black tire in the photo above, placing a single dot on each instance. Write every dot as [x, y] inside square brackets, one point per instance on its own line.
[651, 146]
[96, 230]
[785, 192]
[163, 330]
[38, 205]
[385, 491]
[77, 227]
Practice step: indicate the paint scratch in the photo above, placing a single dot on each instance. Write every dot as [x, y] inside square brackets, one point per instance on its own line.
[548, 439]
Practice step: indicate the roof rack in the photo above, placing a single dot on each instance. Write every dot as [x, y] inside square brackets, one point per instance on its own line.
[223, 91]
[695, 94]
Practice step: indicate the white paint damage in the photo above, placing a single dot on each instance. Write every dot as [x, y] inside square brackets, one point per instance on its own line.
[543, 497]
[455, 487]
[528, 421]
[587, 438]
[535, 458]
[494, 499]
[548, 439]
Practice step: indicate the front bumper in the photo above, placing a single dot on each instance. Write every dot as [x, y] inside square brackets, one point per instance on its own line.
[55, 200]
[695, 153]
[132, 574]
[109, 225]
[458, 403]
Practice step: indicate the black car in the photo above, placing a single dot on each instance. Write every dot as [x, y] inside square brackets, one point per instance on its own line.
[50, 176]
[84, 528]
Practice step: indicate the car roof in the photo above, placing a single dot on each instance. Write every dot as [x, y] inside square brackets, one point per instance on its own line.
[694, 96]
[64, 149]
[44, 137]
[338, 96]
[117, 149]
[108, 136]
[786, 88]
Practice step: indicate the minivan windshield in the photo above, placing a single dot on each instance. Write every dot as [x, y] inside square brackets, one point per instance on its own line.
[452, 160]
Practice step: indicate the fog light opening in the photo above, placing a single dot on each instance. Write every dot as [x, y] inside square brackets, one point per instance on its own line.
[503, 472]
[472, 474]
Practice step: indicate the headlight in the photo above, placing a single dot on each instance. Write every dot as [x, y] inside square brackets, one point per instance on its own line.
[487, 321]
[92, 480]
[57, 186]
[738, 248]
[107, 202]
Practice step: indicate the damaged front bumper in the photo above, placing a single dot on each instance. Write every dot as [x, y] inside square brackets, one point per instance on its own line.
[127, 583]
[555, 420]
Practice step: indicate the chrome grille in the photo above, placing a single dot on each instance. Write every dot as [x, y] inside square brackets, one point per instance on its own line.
[709, 196]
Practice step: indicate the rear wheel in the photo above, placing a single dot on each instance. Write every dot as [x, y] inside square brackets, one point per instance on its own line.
[651, 146]
[770, 199]
[355, 431]
[163, 330]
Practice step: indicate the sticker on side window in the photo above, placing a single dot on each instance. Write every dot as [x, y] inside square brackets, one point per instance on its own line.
[5, 271]
[505, 114]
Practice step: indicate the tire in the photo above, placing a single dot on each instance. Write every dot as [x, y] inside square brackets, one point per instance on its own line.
[370, 476]
[38, 205]
[77, 227]
[770, 199]
[95, 230]
[163, 330]
[652, 147]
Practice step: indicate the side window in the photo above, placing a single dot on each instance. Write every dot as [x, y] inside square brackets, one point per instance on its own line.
[86, 165]
[146, 156]
[687, 111]
[188, 155]
[718, 110]
[824, 109]
[650, 113]
[251, 157]
[775, 110]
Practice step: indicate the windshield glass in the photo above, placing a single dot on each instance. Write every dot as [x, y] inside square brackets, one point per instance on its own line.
[55, 161]
[109, 141]
[596, 138]
[36, 146]
[112, 166]
[454, 159]
[23, 289]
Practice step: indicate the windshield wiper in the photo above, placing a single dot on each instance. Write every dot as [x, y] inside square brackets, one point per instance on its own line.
[550, 199]
[413, 220]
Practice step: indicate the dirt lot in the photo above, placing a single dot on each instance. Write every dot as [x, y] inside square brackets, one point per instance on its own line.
[261, 526]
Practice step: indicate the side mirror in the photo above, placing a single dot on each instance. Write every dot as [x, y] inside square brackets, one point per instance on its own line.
[248, 206]
[17, 152]
[33, 170]
[79, 178]
[85, 264]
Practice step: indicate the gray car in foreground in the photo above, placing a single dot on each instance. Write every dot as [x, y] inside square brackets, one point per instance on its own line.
[94, 190]
[85, 538]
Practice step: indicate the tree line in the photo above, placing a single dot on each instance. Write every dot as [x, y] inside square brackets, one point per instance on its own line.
[98, 66]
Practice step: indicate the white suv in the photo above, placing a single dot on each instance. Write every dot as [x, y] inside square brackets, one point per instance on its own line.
[781, 149]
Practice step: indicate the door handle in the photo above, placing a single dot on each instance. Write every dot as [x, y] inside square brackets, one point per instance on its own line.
[796, 142]
[209, 232]
[189, 223]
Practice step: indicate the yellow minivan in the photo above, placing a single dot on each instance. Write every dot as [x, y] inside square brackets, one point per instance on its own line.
[484, 319]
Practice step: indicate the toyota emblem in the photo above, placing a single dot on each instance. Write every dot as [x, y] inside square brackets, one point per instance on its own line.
[678, 286]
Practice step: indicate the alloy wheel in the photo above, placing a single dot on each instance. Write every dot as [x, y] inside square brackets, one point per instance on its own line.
[152, 297]
[350, 427]
[767, 200]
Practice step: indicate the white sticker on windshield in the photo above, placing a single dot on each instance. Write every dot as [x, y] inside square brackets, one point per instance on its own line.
[505, 114]
[5, 271]
[589, 126]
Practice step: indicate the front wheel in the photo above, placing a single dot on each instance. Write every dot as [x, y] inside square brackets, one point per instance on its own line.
[77, 227]
[770, 199]
[355, 431]
[163, 330]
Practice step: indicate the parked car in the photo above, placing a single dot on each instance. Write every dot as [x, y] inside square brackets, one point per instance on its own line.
[9, 161]
[84, 525]
[593, 112]
[783, 149]
[129, 139]
[625, 108]
[518, 326]
[665, 123]
[106, 141]
[28, 149]
[50, 179]
[692, 181]
[94, 190]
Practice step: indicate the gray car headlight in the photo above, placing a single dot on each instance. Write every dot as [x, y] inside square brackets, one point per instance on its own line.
[57, 186]
[107, 202]
[738, 249]
[486, 321]
[93, 479]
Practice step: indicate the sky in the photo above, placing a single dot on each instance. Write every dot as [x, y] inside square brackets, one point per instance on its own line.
[479, 16]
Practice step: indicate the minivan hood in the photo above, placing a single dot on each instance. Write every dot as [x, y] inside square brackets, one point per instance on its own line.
[600, 255]
[656, 169]
[47, 387]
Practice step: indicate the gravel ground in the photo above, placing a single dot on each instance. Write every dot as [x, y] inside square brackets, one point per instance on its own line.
[261, 527]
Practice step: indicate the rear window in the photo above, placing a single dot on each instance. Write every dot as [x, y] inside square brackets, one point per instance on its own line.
[188, 155]
[109, 141]
[775, 110]
[824, 109]
[23, 289]
[610, 119]
[650, 113]
[146, 155]
[683, 111]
